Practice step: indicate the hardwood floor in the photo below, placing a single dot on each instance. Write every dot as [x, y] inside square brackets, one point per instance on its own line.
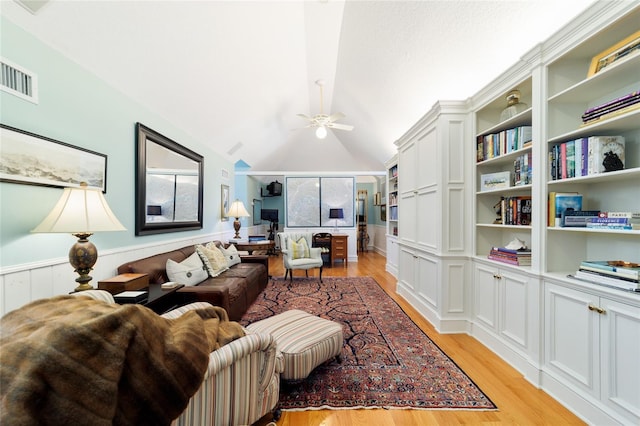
[518, 401]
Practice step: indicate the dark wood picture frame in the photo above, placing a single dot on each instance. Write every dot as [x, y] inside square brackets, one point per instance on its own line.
[144, 136]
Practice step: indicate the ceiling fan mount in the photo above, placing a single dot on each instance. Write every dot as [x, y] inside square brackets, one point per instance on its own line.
[321, 121]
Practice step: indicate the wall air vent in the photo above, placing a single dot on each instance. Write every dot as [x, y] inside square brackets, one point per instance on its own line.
[32, 6]
[18, 81]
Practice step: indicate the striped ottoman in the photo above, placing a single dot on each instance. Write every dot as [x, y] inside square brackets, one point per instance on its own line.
[305, 341]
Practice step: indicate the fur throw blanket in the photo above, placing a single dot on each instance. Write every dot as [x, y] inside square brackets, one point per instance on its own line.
[78, 361]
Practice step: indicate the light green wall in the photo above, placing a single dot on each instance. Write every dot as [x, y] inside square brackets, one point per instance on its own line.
[78, 108]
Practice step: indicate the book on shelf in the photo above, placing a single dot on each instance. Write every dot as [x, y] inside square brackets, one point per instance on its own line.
[131, 296]
[515, 210]
[601, 152]
[611, 226]
[596, 278]
[512, 257]
[522, 168]
[611, 106]
[613, 267]
[504, 142]
[559, 202]
[569, 159]
[578, 218]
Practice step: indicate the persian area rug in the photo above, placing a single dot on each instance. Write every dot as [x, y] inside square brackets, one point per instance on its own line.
[388, 361]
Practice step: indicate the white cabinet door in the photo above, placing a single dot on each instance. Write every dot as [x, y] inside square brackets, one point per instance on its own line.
[392, 256]
[501, 304]
[572, 337]
[620, 339]
[514, 308]
[486, 296]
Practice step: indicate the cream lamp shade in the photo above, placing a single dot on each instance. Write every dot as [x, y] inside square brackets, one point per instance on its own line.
[81, 211]
[237, 210]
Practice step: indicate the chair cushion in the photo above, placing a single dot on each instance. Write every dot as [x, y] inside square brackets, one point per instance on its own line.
[299, 249]
[231, 254]
[213, 259]
[190, 271]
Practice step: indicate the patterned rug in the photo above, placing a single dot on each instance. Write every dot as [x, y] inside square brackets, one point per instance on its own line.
[388, 361]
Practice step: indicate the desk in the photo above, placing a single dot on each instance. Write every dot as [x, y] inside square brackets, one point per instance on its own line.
[268, 245]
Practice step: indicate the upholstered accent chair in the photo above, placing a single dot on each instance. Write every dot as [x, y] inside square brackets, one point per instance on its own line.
[242, 382]
[298, 253]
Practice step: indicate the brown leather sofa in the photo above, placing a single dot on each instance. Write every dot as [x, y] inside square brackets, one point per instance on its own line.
[234, 290]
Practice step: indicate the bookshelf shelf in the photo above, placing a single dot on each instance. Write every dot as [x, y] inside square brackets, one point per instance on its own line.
[602, 84]
[621, 123]
[391, 231]
[613, 232]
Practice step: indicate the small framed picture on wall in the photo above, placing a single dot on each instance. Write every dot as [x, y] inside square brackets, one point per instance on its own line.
[224, 202]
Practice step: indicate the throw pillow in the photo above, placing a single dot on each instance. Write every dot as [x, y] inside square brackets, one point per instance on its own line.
[231, 254]
[190, 271]
[299, 249]
[213, 259]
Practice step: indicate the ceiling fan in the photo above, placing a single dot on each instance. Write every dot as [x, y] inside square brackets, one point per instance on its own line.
[323, 121]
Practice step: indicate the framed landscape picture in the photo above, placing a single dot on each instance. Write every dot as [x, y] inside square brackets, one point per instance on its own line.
[32, 159]
[624, 49]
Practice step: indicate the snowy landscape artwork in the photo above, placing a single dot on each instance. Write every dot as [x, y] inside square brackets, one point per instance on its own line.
[37, 160]
[309, 200]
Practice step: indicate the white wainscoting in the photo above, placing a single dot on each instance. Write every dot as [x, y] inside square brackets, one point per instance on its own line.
[24, 283]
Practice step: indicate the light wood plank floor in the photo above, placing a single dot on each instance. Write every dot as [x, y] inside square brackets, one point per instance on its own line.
[518, 401]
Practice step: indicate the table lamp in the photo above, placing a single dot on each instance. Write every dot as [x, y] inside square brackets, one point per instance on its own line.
[237, 210]
[81, 211]
[336, 214]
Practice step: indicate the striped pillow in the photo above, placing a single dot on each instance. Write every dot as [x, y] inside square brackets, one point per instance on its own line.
[299, 249]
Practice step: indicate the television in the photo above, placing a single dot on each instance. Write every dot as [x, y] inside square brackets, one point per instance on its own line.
[274, 189]
[269, 214]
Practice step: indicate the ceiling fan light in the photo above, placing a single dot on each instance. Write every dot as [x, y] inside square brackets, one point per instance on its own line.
[321, 132]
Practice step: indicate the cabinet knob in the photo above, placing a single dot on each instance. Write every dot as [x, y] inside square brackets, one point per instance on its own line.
[497, 276]
[597, 309]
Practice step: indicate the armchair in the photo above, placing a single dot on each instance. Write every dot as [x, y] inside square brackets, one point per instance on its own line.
[296, 257]
[242, 381]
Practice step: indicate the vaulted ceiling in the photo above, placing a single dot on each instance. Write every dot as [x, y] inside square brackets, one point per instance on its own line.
[235, 74]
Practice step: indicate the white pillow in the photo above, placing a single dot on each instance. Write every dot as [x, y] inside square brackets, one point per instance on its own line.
[213, 259]
[231, 254]
[190, 271]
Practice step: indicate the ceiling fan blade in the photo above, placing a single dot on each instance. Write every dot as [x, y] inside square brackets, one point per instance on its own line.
[305, 116]
[336, 116]
[340, 126]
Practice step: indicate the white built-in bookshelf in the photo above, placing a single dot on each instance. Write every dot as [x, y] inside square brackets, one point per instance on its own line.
[392, 200]
[577, 332]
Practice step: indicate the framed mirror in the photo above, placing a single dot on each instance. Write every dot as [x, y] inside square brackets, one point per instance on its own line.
[169, 184]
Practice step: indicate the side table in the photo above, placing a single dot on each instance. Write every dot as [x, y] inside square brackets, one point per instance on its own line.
[339, 248]
[161, 300]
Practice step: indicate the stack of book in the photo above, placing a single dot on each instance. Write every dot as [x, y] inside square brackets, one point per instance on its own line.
[615, 220]
[626, 103]
[619, 274]
[131, 297]
[520, 257]
[515, 210]
[585, 156]
[497, 144]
